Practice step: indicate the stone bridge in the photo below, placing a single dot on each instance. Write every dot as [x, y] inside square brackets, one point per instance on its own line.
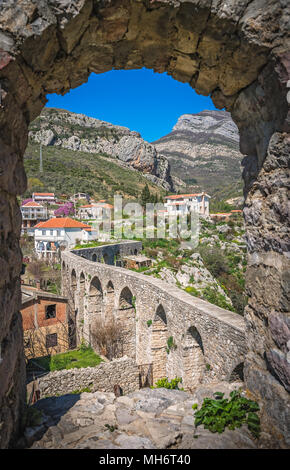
[180, 335]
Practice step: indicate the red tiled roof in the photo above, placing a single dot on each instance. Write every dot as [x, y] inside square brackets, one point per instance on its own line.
[86, 206]
[179, 196]
[61, 222]
[236, 210]
[43, 194]
[31, 204]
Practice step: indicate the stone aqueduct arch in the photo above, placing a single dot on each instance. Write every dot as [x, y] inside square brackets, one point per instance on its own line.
[238, 53]
[149, 314]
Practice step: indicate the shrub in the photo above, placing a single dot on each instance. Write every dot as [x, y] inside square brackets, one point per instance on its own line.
[217, 414]
[170, 344]
[214, 297]
[107, 337]
[164, 383]
[214, 260]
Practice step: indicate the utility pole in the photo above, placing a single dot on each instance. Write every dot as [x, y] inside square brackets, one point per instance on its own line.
[40, 160]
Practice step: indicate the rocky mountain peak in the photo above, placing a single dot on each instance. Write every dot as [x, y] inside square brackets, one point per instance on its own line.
[215, 123]
[203, 151]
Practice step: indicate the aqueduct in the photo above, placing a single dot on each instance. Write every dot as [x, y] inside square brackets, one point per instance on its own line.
[235, 51]
[207, 342]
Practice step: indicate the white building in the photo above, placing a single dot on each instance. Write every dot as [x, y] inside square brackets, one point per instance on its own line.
[94, 211]
[44, 197]
[79, 196]
[186, 203]
[60, 233]
[32, 214]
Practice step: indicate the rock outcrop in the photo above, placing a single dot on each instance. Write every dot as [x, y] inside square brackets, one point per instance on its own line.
[79, 132]
[144, 419]
[203, 150]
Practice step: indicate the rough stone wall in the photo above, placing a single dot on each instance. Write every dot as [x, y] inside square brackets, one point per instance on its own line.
[222, 332]
[235, 51]
[123, 372]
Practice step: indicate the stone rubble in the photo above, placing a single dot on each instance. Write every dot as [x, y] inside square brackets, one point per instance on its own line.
[145, 419]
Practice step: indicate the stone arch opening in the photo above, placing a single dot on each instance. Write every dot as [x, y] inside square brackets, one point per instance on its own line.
[245, 70]
[94, 308]
[237, 374]
[159, 344]
[94, 257]
[72, 309]
[193, 359]
[80, 319]
[126, 316]
[110, 301]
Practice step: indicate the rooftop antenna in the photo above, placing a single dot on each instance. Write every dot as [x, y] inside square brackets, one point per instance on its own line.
[40, 160]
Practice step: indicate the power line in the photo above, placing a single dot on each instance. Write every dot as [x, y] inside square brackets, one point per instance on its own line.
[40, 160]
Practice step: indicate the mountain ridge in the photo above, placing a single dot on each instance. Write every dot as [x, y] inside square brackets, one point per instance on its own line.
[203, 151]
[78, 132]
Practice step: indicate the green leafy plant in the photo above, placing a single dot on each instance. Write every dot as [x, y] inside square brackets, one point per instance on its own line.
[164, 383]
[219, 413]
[170, 344]
[149, 323]
[110, 427]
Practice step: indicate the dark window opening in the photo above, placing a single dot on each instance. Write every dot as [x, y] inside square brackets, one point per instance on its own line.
[50, 311]
[51, 340]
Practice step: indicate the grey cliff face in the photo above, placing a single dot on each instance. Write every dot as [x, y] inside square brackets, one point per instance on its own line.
[203, 149]
[79, 132]
[209, 124]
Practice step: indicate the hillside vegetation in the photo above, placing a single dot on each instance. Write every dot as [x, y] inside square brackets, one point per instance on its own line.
[67, 172]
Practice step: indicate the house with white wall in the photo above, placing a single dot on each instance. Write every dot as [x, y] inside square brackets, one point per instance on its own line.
[186, 203]
[32, 213]
[60, 233]
[44, 197]
[94, 210]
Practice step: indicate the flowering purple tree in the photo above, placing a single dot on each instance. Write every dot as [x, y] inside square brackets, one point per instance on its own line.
[65, 210]
[25, 201]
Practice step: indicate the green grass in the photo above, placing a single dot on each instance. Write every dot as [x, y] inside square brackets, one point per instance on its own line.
[82, 357]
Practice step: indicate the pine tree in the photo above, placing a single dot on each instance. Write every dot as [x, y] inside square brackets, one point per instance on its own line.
[145, 195]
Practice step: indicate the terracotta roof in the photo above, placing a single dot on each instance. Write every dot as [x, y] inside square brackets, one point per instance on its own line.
[179, 196]
[31, 204]
[61, 222]
[236, 210]
[43, 194]
[86, 206]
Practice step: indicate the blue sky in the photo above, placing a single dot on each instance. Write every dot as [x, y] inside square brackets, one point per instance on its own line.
[142, 100]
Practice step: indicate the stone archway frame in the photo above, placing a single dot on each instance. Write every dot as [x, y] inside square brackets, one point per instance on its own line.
[159, 345]
[94, 307]
[126, 317]
[192, 358]
[109, 306]
[236, 52]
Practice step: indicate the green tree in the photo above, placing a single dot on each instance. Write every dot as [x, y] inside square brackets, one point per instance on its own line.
[145, 195]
